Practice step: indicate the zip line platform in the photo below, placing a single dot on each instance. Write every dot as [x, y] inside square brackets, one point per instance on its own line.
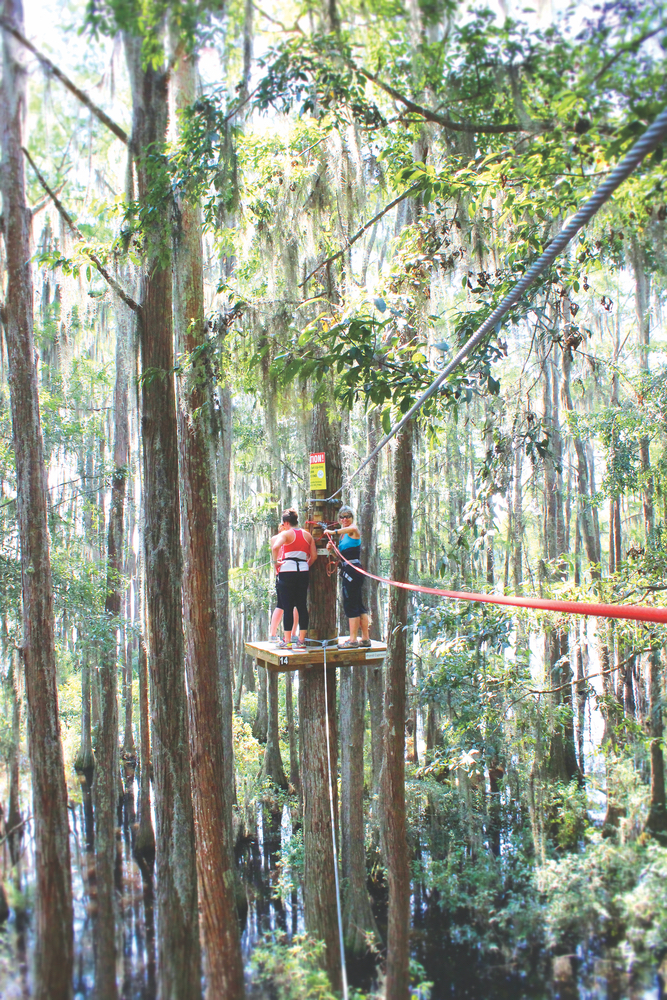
[282, 660]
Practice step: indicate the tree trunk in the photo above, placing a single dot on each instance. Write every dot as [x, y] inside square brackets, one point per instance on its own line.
[272, 766]
[656, 822]
[260, 726]
[358, 919]
[294, 778]
[642, 310]
[319, 891]
[517, 521]
[222, 413]
[178, 957]
[393, 821]
[144, 841]
[85, 761]
[590, 535]
[106, 772]
[562, 760]
[53, 957]
[367, 508]
[320, 910]
[222, 952]
[14, 825]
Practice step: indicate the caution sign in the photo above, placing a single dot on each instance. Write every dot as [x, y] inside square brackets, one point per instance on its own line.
[318, 471]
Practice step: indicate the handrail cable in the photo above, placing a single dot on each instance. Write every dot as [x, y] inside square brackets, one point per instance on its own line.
[633, 612]
[651, 138]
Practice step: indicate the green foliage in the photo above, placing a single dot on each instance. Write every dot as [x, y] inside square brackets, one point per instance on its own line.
[290, 865]
[292, 970]
[381, 361]
[586, 894]
[313, 74]
[488, 903]
[248, 752]
[642, 909]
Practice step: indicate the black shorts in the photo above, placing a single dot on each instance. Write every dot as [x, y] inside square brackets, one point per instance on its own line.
[292, 591]
[353, 598]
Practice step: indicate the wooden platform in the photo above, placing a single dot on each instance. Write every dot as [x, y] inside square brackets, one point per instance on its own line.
[280, 660]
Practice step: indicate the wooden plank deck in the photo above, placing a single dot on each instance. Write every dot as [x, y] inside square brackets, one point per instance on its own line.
[281, 660]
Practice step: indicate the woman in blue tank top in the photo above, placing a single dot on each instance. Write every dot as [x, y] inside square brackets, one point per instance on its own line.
[349, 546]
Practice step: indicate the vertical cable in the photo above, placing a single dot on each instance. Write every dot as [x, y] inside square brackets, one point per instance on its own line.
[343, 967]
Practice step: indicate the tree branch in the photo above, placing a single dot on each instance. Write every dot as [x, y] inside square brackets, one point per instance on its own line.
[94, 259]
[627, 48]
[65, 80]
[283, 27]
[575, 680]
[438, 119]
[43, 202]
[360, 232]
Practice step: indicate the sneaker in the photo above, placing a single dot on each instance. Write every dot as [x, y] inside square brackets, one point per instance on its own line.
[364, 642]
[284, 645]
[273, 640]
[349, 644]
[298, 644]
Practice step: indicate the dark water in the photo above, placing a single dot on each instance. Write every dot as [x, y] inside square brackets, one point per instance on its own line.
[458, 971]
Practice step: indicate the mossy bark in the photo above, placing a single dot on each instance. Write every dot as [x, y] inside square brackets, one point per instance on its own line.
[52, 923]
[223, 965]
[359, 926]
[178, 949]
[392, 782]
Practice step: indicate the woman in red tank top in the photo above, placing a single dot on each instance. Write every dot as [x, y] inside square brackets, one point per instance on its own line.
[293, 551]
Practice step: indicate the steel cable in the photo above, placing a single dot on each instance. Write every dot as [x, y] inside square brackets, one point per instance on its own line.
[651, 138]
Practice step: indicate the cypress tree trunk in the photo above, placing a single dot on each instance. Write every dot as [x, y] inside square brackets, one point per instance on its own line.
[53, 958]
[144, 841]
[367, 508]
[358, 919]
[14, 826]
[642, 310]
[222, 424]
[260, 726]
[106, 774]
[656, 822]
[562, 760]
[590, 535]
[517, 522]
[178, 957]
[393, 821]
[294, 778]
[319, 878]
[222, 952]
[85, 761]
[272, 766]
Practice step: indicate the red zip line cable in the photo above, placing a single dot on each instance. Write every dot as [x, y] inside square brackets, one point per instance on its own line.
[633, 612]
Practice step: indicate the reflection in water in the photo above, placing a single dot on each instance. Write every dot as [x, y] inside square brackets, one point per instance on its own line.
[456, 970]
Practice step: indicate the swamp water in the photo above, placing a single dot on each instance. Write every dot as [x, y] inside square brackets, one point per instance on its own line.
[455, 968]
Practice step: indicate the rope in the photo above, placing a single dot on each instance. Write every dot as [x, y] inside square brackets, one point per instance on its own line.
[651, 138]
[633, 612]
[343, 968]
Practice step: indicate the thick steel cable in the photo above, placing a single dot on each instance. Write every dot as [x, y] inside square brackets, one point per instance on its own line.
[651, 138]
[343, 967]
